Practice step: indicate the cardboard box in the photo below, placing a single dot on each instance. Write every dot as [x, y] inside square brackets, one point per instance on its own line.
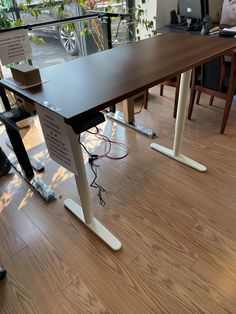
[26, 74]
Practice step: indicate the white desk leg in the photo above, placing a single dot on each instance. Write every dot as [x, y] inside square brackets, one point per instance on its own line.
[85, 213]
[179, 127]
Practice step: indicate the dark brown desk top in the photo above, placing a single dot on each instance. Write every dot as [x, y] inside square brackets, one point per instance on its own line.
[85, 85]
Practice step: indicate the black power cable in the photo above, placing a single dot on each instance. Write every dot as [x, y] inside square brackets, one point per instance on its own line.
[94, 167]
[93, 157]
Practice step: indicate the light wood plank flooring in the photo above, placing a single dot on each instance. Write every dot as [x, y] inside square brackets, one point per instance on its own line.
[177, 226]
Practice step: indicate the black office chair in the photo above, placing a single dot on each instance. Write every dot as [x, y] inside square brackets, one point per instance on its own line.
[217, 79]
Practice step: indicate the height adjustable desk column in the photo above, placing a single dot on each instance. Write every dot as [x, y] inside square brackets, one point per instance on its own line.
[63, 147]
[179, 128]
[85, 211]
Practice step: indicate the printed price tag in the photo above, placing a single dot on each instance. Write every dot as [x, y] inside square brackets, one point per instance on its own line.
[15, 46]
[55, 135]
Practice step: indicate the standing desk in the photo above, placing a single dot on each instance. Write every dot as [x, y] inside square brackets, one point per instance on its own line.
[79, 88]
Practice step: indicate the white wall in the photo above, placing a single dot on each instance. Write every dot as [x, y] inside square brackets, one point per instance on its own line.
[215, 6]
[158, 8]
[163, 11]
[165, 6]
[150, 8]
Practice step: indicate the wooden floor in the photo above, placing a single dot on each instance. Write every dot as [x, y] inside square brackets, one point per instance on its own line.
[177, 226]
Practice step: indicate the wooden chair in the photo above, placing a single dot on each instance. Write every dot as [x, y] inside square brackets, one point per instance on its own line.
[174, 82]
[217, 79]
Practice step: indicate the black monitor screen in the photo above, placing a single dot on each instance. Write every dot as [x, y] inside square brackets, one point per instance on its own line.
[192, 8]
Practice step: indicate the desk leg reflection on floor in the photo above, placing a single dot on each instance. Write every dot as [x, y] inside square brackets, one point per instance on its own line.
[179, 127]
[85, 212]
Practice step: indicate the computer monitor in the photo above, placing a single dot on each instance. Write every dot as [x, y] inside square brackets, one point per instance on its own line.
[193, 9]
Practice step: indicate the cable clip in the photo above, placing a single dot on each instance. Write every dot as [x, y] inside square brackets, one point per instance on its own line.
[92, 158]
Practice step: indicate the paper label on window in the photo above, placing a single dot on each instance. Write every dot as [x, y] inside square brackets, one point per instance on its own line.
[15, 46]
[56, 138]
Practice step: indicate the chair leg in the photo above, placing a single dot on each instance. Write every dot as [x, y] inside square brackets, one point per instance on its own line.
[192, 94]
[225, 115]
[191, 103]
[198, 97]
[211, 101]
[230, 94]
[145, 99]
[176, 96]
[161, 89]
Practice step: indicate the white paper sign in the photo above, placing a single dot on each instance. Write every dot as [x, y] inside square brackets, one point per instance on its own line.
[15, 46]
[55, 135]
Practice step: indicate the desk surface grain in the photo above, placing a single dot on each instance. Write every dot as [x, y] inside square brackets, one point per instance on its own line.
[95, 82]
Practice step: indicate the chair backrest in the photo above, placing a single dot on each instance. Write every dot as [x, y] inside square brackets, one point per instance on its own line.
[216, 73]
[218, 79]
[211, 74]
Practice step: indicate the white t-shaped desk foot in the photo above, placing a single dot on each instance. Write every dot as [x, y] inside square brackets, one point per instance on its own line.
[180, 158]
[95, 226]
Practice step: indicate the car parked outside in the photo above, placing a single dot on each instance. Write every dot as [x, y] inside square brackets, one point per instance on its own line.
[85, 38]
